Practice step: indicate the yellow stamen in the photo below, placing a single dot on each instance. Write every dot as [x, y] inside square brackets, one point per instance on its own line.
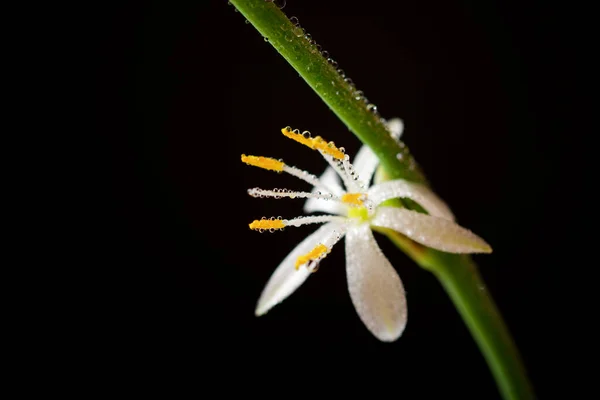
[354, 199]
[312, 255]
[263, 162]
[267, 224]
[307, 141]
[317, 143]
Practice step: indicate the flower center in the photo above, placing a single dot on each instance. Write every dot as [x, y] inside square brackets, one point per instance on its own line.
[358, 212]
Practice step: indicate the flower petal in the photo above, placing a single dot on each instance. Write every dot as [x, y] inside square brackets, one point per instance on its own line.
[414, 191]
[396, 127]
[375, 287]
[331, 180]
[365, 164]
[286, 279]
[437, 233]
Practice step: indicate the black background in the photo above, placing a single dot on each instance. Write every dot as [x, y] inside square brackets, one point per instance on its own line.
[187, 87]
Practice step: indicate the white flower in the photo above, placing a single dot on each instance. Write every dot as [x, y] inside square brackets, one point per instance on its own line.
[375, 288]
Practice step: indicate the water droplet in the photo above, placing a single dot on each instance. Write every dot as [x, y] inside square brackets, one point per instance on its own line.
[298, 31]
[349, 81]
[313, 266]
[278, 3]
[333, 63]
[372, 108]
[325, 53]
[400, 156]
[308, 37]
[358, 95]
[294, 20]
[246, 22]
[288, 37]
[306, 134]
[341, 72]
[266, 39]
[318, 47]
[297, 131]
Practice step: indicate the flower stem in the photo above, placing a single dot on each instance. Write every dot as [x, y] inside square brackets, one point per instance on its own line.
[457, 274]
[342, 97]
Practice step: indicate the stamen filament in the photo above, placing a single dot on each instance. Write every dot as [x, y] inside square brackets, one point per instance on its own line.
[313, 219]
[306, 177]
[357, 185]
[279, 166]
[280, 193]
[335, 164]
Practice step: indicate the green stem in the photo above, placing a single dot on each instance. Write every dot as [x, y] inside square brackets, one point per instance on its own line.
[457, 274]
[341, 96]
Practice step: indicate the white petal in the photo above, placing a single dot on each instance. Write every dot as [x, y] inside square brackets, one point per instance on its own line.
[365, 164]
[375, 287]
[331, 180]
[286, 279]
[414, 191]
[396, 127]
[438, 233]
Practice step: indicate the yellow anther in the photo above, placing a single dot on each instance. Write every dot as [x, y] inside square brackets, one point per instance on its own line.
[267, 224]
[354, 199]
[312, 255]
[328, 148]
[317, 143]
[307, 141]
[263, 162]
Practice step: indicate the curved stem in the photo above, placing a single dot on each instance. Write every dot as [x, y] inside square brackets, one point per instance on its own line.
[339, 94]
[457, 274]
